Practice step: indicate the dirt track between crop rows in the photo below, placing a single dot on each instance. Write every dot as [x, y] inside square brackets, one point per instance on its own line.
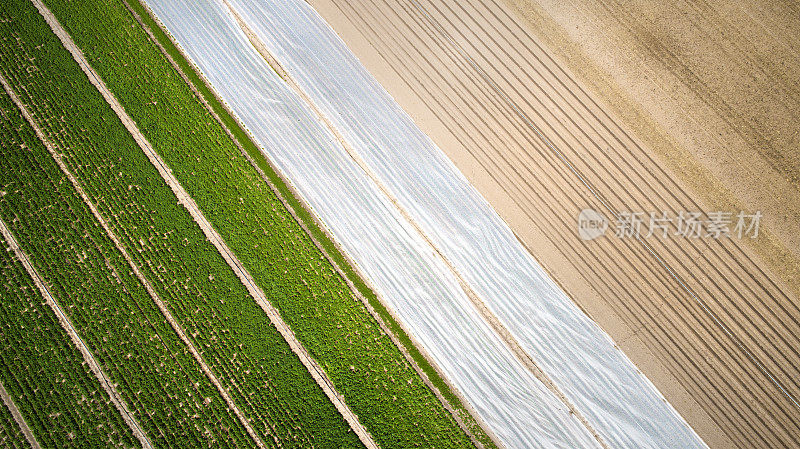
[703, 318]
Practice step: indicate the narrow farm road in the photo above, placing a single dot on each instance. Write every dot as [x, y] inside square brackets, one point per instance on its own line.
[246, 278]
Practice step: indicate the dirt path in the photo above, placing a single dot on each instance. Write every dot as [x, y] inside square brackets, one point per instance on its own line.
[704, 319]
[12, 407]
[246, 278]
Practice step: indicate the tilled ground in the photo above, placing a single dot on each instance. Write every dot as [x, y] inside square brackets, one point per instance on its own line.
[704, 318]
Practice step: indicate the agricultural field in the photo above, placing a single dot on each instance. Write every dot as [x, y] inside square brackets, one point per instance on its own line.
[332, 324]
[120, 192]
[185, 270]
[300, 212]
[327, 224]
[154, 373]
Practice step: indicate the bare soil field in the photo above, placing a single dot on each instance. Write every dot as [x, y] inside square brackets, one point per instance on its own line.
[552, 107]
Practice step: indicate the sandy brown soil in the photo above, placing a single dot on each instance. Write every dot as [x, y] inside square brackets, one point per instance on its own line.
[552, 107]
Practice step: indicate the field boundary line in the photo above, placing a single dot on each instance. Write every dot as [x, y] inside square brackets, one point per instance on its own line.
[70, 45]
[504, 334]
[12, 407]
[245, 277]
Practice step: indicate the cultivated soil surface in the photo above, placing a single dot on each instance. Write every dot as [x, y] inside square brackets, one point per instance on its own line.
[552, 107]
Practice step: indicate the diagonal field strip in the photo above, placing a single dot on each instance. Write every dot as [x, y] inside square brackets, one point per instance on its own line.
[484, 311]
[118, 244]
[12, 407]
[69, 328]
[313, 367]
[351, 286]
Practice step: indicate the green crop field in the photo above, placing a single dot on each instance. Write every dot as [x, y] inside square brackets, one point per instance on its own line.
[61, 399]
[154, 371]
[156, 375]
[333, 325]
[233, 334]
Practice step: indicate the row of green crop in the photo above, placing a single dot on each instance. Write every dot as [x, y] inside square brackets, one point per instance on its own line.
[45, 374]
[377, 382]
[165, 388]
[232, 332]
[11, 436]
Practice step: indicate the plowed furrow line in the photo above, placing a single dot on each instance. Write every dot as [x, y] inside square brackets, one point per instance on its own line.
[759, 362]
[597, 115]
[540, 116]
[671, 190]
[612, 278]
